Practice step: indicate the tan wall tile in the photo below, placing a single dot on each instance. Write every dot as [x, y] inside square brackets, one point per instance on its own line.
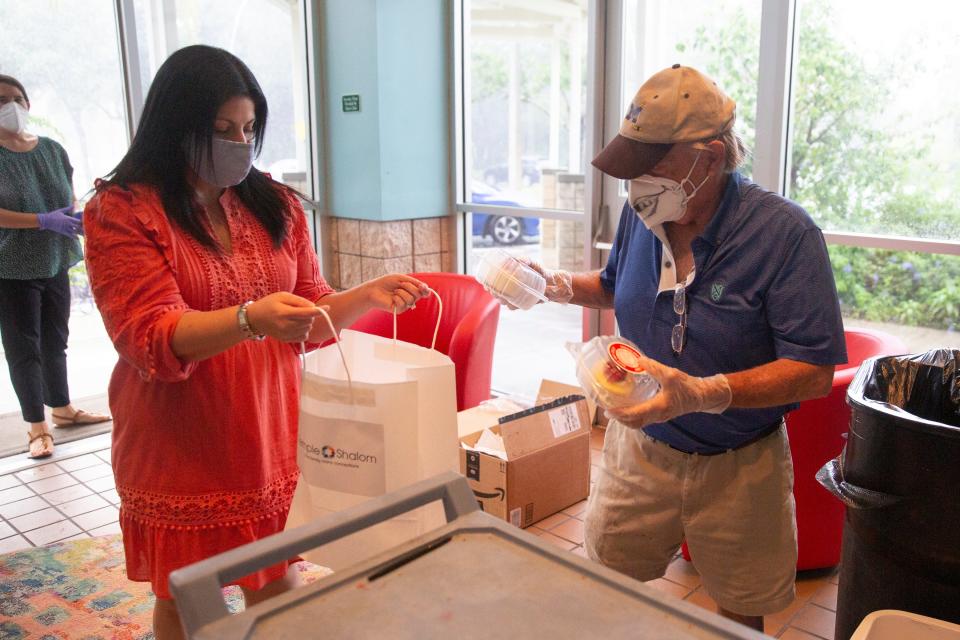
[372, 268]
[333, 238]
[446, 262]
[403, 264]
[371, 239]
[333, 277]
[386, 239]
[448, 229]
[348, 236]
[350, 271]
[398, 235]
[426, 262]
[426, 236]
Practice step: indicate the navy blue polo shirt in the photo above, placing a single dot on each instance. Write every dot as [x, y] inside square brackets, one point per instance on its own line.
[763, 289]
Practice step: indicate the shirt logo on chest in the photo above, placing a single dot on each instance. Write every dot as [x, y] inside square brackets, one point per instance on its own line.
[716, 290]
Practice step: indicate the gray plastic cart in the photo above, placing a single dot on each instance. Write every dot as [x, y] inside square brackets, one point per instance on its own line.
[476, 577]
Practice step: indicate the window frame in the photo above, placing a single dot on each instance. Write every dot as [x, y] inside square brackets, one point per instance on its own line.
[597, 56]
[312, 29]
[778, 51]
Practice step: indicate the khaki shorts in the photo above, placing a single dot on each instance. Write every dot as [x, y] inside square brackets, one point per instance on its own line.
[735, 510]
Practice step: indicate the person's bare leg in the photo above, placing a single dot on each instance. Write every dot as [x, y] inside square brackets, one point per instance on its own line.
[290, 581]
[754, 622]
[166, 621]
[41, 446]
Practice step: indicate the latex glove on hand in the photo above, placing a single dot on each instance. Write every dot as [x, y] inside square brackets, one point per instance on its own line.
[60, 221]
[679, 395]
[559, 284]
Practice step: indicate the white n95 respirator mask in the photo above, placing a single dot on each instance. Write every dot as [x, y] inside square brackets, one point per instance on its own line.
[657, 200]
[13, 117]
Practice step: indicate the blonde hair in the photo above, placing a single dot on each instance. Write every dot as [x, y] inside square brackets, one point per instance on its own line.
[734, 148]
[735, 151]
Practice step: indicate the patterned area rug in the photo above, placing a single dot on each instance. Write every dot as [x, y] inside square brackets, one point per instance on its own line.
[79, 590]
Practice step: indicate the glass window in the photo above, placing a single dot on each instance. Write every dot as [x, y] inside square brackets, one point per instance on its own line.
[525, 110]
[525, 97]
[530, 344]
[915, 296]
[720, 38]
[66, 54]
[269, 37]
[875, 127]
[875, 148]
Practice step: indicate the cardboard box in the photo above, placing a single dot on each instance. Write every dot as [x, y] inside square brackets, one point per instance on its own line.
[551, 389]
[547, 466]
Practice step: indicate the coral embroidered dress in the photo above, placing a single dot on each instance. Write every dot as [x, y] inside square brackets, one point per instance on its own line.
[204, 453]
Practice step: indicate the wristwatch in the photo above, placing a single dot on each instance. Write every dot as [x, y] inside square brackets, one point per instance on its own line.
[245, 327]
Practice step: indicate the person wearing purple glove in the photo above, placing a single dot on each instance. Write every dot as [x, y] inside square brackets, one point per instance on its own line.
[38, 244]
[62, 221]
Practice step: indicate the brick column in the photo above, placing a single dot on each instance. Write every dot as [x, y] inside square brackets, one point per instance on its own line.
[562, 240]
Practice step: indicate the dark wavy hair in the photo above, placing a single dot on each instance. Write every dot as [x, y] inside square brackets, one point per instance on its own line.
[13, 82]
[181, 108]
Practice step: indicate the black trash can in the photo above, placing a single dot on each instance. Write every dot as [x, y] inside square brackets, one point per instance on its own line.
[899, 476]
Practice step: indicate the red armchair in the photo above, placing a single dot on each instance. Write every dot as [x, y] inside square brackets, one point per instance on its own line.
[817, 431]
[467, 330]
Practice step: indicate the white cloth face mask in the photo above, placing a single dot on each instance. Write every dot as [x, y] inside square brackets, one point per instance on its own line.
[13, 117]
[658, 200]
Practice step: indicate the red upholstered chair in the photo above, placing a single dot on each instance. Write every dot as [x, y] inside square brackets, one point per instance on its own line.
[817, 432]
[467, 330]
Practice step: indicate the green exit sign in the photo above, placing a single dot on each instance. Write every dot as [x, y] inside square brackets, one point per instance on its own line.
[351, 103]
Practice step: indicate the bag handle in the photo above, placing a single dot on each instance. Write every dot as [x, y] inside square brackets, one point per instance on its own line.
[336, 340]
[436, 330]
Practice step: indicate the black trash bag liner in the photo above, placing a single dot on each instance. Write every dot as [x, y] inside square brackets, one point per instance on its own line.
[898, 476]
[926, 384]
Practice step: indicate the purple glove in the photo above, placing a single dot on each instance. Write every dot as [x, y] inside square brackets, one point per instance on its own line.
[60, 221]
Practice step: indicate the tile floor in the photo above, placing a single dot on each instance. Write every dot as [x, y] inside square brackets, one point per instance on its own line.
[70, 497]
[73, 496]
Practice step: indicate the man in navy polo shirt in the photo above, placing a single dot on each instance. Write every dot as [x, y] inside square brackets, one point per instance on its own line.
[727, 288]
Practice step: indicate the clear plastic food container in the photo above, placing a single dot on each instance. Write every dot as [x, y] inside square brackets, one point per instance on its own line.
[609, 371]
[508, 278]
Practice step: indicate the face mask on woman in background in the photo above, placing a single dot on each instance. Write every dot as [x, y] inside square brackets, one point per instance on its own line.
[13, 117]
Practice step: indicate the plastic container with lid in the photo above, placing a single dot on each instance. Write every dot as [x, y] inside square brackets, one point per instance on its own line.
[608, 368]
[508, 278]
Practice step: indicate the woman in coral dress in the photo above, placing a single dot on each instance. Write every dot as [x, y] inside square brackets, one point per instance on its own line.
[194, 257]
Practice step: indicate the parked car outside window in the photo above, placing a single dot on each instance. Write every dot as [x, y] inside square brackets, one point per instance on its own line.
[503, 229]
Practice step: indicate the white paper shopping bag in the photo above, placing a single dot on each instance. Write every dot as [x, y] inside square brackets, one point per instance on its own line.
[390, 422]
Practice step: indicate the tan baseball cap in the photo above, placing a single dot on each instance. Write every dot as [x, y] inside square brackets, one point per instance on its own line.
[678, 104]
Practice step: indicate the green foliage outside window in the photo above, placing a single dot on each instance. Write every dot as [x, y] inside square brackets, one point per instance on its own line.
[848, 170]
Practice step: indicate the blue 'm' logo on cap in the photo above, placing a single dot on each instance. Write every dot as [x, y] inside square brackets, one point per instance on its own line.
[633, 113]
